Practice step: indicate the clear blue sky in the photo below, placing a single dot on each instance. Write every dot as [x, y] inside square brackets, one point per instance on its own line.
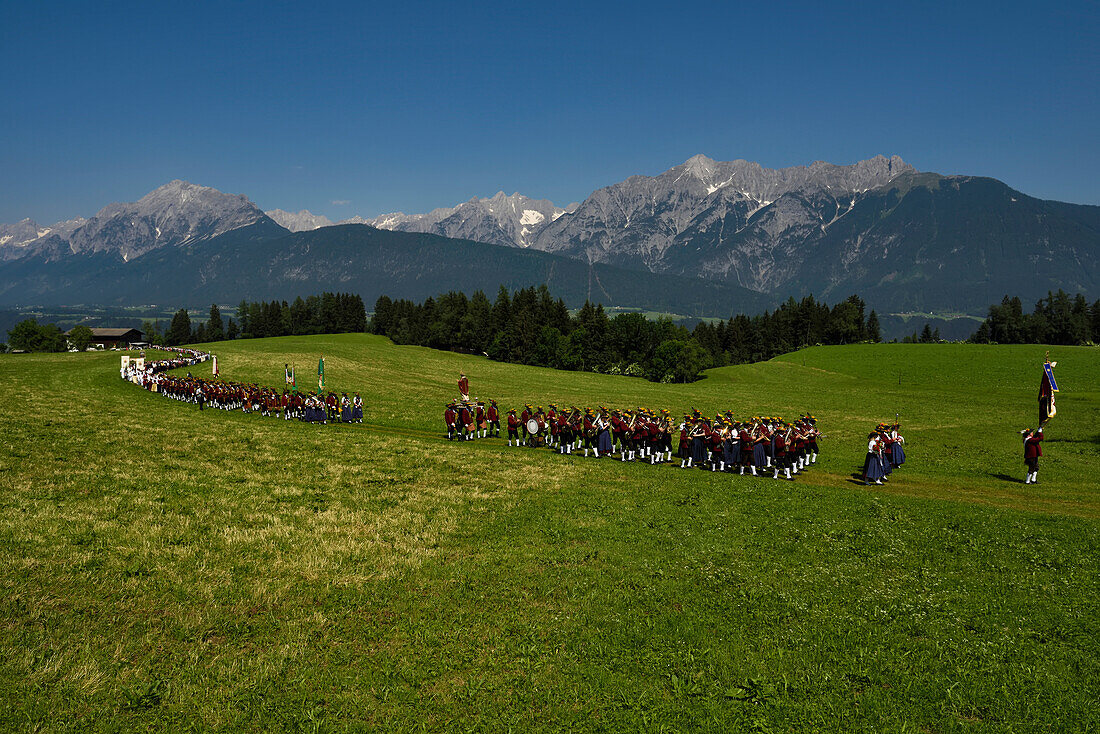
[412, 105]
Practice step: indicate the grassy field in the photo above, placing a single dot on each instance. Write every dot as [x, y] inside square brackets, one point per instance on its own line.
[166, 569]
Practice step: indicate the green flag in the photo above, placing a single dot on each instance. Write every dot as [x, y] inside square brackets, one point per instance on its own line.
[321, 373]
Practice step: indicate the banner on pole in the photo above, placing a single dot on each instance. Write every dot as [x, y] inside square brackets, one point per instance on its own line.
[321, 373]
[215, 361]
[1048, 368]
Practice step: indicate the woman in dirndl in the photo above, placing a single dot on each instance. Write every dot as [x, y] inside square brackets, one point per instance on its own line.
[604, 444]
[699, 442]
[873, 471]
[899, 452]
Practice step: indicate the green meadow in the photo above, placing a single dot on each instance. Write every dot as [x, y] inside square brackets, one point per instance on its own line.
[167, 569]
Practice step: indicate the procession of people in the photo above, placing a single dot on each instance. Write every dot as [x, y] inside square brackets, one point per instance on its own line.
[314, 407]
[759, 446]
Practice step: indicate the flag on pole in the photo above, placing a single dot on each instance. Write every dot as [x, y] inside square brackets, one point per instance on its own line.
[321, 373]
[293, 381]
[215, 365]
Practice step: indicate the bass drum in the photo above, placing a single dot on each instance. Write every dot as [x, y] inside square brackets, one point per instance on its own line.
[532, 426]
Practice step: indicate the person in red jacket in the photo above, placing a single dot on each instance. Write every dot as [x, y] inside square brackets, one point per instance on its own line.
[493, 414]
[450, 417]
[513, 427]
[1032, 452]
[685, 442]
[481, 425]
[466, 421]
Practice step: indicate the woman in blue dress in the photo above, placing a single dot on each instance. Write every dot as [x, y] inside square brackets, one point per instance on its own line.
[872, 466]
[604, 445]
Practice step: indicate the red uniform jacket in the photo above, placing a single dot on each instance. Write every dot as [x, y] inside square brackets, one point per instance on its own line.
[449, 417]
[1032, 449]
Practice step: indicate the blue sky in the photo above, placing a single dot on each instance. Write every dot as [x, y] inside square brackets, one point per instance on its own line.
[412, 105]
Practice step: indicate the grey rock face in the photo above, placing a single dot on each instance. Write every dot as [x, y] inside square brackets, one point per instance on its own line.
[303, 221]
[732, 220]
[174, 214]
[514, 220]
[26, 236]
[14, 238]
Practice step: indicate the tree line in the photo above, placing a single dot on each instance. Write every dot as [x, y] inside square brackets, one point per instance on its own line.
[529, 326]
[1056, 319]
[328, 313]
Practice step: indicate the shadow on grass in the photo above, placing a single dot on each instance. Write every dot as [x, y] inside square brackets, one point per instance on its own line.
[1094, 439]
[1006, 478]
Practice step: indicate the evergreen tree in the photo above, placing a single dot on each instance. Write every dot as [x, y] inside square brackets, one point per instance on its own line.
[151, 330]
[874, 332]
[215, 332]
[242, 318]
[299, 317]
[981, 336]
[926, 335]
[231, 330]
[381, 321]
[179, 332]
[502, 311]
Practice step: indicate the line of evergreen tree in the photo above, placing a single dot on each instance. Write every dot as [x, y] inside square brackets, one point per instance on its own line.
[529, 326]
[328, 313]
[1056, 319]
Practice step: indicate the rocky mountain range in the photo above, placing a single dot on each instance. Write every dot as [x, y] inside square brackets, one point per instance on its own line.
[302, 221]
[515, 220]
[902, 239]
[169, 216]
[671, 222]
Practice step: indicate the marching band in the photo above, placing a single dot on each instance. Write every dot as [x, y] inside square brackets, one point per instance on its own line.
[759, 446]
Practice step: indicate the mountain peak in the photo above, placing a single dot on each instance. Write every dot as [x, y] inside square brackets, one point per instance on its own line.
[176, 213]
[699, 165]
